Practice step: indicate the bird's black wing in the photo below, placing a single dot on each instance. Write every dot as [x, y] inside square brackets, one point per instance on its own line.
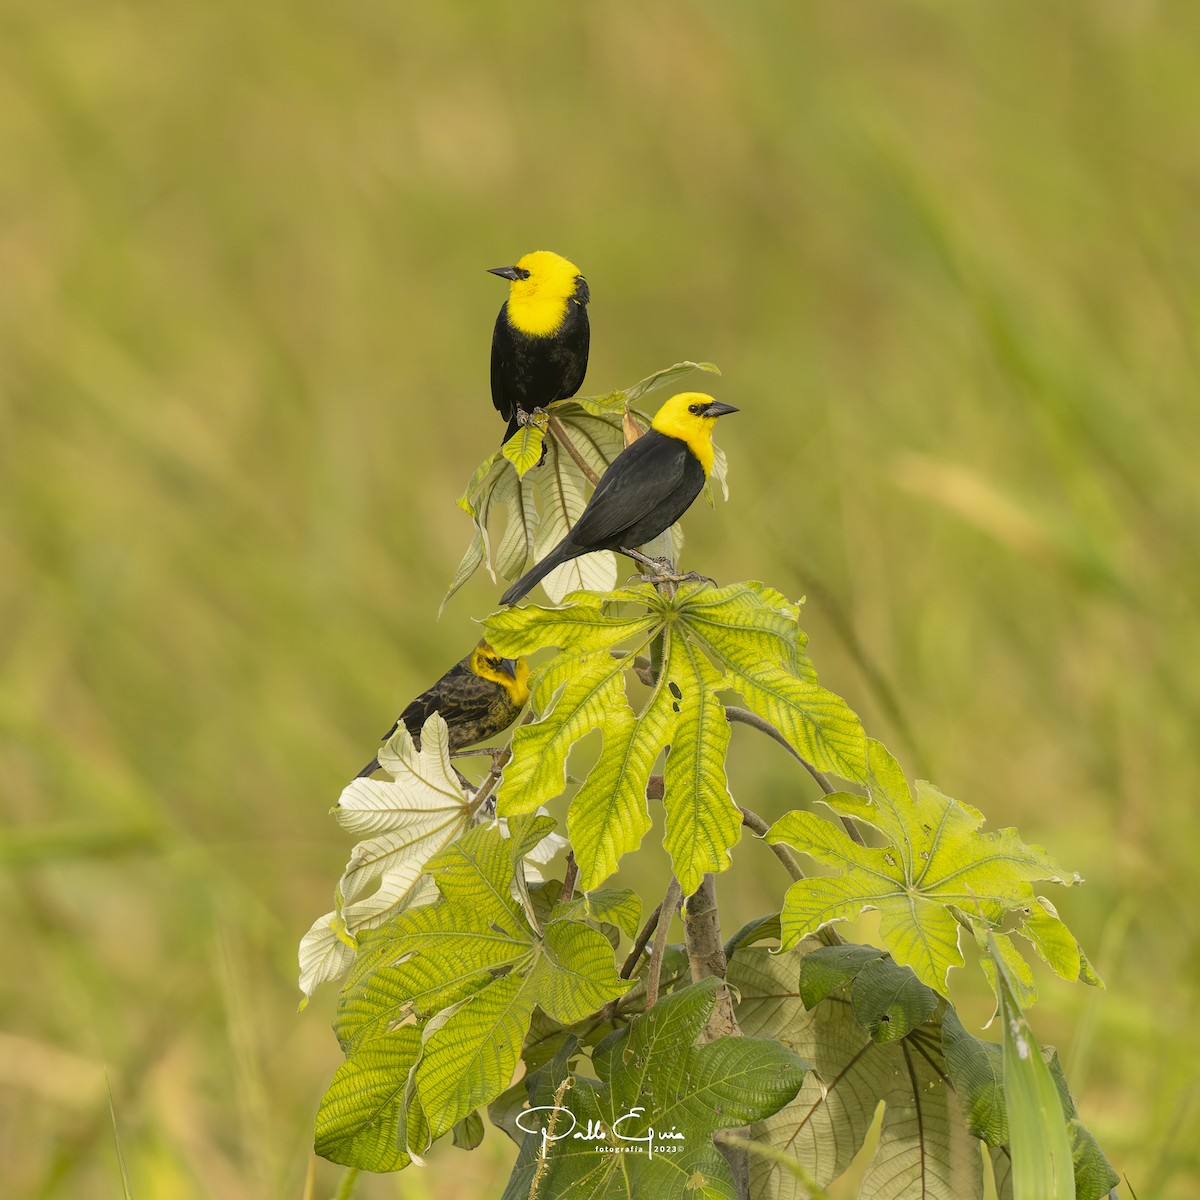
[641, 477]
[502, 365]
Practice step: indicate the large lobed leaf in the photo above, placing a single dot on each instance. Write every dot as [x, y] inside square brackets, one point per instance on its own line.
[939, 871]
[744, 638]
[873, 1032]
[654, 1082]
[437, 1007]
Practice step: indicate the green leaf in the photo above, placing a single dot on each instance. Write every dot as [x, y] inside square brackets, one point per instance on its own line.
[575, 974]
[468, 1133]
[477, 870]
[463, 976]
[939, 860]
[608, 815]
[361, 1119]
[828, 968]
[666, 378]
[1056, 945]
[652, 1075]
[515, 495]
[538, 770]
[976, 1068]
[703, 823]
[471, 1056]
[579, 691]
[924, 1149]
[752, 630]
[425, 960]
[889, 1001]
[471, 561]
[587, 623]
[618, 401]
[1042, 1167]
[611, 906]
[524, 448]
[1020, 977]
[597, 439]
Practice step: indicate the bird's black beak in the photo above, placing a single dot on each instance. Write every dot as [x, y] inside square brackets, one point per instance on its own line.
[717, 409]
[513, 273]
[509, 667]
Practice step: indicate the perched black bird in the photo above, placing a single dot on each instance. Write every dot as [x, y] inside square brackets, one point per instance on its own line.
[540, 344]
[648, 487]
[478, 698]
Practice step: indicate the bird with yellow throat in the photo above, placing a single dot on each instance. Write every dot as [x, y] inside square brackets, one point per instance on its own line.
[540, 343]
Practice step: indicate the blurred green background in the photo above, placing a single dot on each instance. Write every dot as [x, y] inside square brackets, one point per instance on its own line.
[948, 257]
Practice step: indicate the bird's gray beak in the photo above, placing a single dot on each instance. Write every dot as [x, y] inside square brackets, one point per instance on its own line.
[513, 273]
[717, 409]
[509, 667]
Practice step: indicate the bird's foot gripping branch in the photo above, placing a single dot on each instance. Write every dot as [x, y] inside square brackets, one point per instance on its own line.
[624, 1065]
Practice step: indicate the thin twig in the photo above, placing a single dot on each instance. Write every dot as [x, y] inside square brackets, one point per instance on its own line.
[665, 912]
[643, 938]
[828, 935]
[745, 717]
[756, 824]
[564, 439]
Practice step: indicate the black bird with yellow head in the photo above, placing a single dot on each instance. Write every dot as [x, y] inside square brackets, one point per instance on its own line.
[540, 343]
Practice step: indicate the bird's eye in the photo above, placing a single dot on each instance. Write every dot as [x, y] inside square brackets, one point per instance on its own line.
[522, 273]
[696, 408]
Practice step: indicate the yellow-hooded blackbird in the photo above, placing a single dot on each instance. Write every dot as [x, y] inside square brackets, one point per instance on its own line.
[648, 487]
[478, 698]
[540, 344]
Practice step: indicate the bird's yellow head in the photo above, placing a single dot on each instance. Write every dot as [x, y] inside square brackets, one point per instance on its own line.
[541, 285]
[512, 674]
[690, 417]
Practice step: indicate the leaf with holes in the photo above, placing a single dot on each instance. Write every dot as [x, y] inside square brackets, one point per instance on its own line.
[744, 637]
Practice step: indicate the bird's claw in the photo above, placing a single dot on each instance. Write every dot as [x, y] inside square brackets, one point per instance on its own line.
[531, 418]
[664, 576]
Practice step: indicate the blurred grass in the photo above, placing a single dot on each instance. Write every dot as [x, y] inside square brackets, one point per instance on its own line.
[947, 258]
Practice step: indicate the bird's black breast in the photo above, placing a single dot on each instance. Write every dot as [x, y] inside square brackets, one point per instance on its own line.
[531, 372]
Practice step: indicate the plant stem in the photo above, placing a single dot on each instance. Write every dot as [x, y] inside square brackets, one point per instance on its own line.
[706, 954]
[564, 439]
[630, 964]
[666, 910]
[744, 716]
[756, 824]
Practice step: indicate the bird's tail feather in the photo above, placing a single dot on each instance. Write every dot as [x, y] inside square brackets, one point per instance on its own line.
[537, 573]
